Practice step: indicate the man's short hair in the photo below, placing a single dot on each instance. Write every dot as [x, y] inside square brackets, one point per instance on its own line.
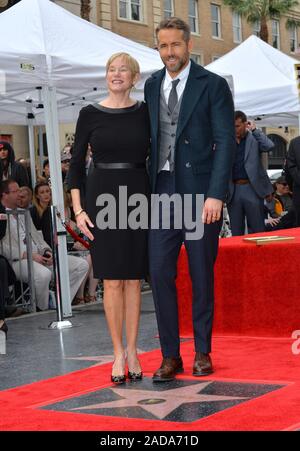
[27, 189]
[240, 115]
[4, 187]
[176, 24]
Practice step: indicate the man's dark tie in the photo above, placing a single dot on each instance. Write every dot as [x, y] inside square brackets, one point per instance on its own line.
[173, 98]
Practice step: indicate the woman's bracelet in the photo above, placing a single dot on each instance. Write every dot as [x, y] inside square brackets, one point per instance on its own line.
[77, 213]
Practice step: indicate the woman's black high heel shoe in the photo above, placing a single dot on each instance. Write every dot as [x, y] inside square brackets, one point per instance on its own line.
[118, 379]
[4, 329]
[135, 376]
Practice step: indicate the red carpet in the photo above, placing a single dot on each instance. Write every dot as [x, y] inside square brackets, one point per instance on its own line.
[256, 288]
[242, 360]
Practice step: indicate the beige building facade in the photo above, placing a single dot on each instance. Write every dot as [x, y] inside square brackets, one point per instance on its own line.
[215, 28]
[215, 31]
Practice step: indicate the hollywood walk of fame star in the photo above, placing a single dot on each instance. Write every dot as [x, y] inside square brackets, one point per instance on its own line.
[100, 359]
[160, 403]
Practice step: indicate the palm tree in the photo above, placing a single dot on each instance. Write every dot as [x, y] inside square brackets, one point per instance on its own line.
[262, 11]
[85, 9]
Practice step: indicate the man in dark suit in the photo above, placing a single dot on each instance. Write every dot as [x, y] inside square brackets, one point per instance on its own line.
[293, 166]
[192, 143]
[250, 184]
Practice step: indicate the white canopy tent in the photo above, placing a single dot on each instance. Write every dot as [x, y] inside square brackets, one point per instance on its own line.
[45, 45]
[53, 63]
[264, 82]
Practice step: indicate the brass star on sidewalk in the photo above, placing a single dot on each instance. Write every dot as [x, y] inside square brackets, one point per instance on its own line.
[100, 359]
[160, 403]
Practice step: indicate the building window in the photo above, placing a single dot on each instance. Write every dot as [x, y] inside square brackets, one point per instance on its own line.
[215, 20]
[168, 8]
[293, 39]
[131, 10]
[69, 139]
[275, 34]
[256, 28]
[196, 58]
[237, 27]
[193, 16]
[278, 152]
[8, 138]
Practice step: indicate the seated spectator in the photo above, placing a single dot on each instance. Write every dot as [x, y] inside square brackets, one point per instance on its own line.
[40, 211]
[283, 194]
[26, 164]
[65, 164]
[46, 170]
[7, 275]
[25, 197]
[10, 167]
[280, 209]
[41, 251]
[273, 206]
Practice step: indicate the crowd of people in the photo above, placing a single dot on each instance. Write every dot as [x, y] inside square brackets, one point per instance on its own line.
[17, 195]
[199, 144]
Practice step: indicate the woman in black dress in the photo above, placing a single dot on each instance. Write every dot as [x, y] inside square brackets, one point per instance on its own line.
[118, 131]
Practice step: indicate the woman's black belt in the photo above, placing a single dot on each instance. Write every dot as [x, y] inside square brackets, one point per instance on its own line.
[119, 165]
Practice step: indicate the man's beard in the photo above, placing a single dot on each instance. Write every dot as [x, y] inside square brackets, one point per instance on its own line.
[177, 68]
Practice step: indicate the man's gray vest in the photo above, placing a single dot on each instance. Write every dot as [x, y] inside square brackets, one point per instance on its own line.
[168, 123]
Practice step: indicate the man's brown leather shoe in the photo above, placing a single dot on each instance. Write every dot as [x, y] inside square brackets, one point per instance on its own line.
[202, 364]
[169, 368]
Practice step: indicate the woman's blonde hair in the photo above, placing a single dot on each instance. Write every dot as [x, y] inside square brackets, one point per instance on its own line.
[35, 199]
[130, 61]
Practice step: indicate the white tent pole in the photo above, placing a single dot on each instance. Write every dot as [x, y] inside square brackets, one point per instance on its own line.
[31, 151]
[41, 148]
[52, 133]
